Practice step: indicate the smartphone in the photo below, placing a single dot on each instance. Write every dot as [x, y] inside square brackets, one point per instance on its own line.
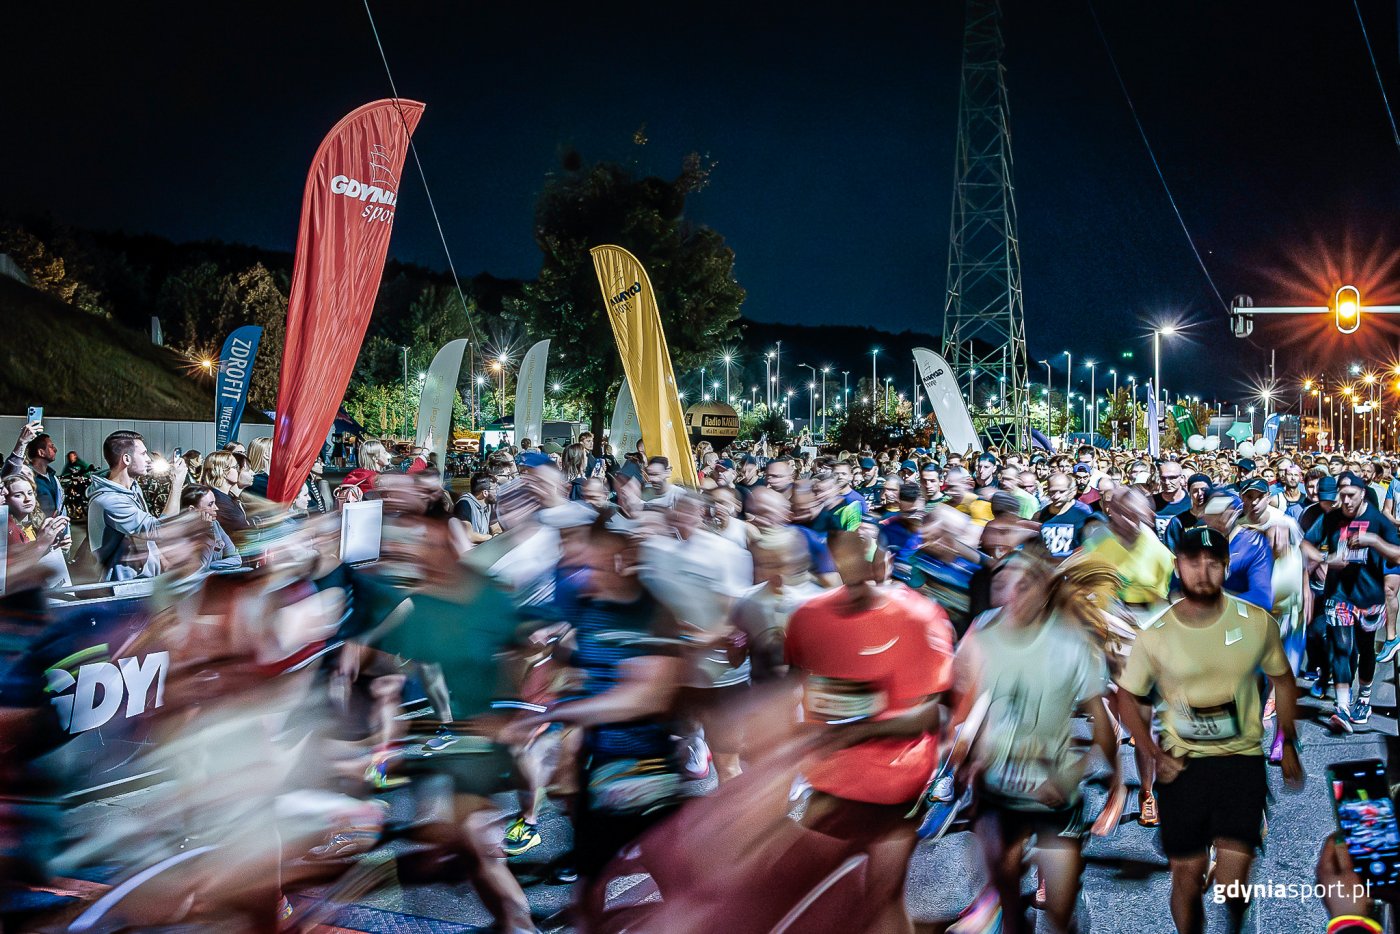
[1366, 817]
[36, 413]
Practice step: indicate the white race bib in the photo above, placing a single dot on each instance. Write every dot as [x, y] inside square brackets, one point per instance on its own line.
[842, 698]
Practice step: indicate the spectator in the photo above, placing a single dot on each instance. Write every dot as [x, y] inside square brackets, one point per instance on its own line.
[36, 450]
[219, 553]
[117, 511]
[476, 507]
[259, 460]
[374, 459]
[29, 524]
[194, 463]
[575, 469]
[76, 466]
[221, 475]
[235, 447]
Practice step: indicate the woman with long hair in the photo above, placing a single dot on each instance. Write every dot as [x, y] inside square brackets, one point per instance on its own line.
[1031, 662]
[259, 461]
[29, 524]
[575, 469]
[374, 459]
[220, 554]
[222, 472]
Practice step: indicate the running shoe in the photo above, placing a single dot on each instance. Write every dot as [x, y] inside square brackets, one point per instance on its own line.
[1276, 750]
[983, 916]
[1361, 708]
[440, 741]
[698, 758]
[1147, 809]
[521, 837]
[942, 813]
[1312, 674]
[1269, 709]
[377, 775]
[1319, 690]
[564, 874]
[1388, 650]
[1340, 721]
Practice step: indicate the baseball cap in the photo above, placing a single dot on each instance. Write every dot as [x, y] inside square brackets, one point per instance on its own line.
[1327, 489]
[910, 466]
[1203, 538]
[1196, 478]
[726, 463]
[1347, 478]
[867, 463]
[1257, 485]
[534, 459]
[1082, 468]
[1245, 464]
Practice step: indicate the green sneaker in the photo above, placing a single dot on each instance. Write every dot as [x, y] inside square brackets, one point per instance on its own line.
[521, 837]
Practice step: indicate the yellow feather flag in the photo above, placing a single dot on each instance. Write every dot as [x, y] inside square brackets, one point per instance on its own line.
[636, 324]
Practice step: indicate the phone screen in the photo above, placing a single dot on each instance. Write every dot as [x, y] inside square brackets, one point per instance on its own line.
[1366, 816]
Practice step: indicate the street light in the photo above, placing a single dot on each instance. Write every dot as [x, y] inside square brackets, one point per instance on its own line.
[825, 371]
[1093, 394]
[728, 359]
[1069, 384]
[1157, 336]
[874, 379]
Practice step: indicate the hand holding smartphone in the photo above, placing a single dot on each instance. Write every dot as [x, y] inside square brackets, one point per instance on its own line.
[1365, 815]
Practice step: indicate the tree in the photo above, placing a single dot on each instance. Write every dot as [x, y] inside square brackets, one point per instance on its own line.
[201, 306]
[691, 269]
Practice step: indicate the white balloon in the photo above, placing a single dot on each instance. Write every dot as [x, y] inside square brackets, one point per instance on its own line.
[1212, 442]
[1196, 443]
[1246, 449]
[1263, 446]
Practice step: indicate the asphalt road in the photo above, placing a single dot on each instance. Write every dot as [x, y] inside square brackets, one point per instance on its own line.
[1125, 882]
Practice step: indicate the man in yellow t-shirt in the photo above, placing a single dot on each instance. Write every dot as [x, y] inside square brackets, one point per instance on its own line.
[1197, 666]
[957, 484]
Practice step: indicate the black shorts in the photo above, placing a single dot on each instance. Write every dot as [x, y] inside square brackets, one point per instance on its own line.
[1214, 797]
[1017, 824]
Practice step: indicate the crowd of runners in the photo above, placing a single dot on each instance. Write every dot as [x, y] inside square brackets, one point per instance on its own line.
[760, 694]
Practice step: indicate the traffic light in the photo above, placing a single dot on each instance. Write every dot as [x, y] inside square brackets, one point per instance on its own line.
[1346, 306]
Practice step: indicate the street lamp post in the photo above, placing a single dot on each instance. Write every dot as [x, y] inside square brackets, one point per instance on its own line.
[1157, 336]
[1093, 394]
[1132, 406]
[874, 383]
[825, 371]
[1069, 387]
[729, 398]
[1114, 374]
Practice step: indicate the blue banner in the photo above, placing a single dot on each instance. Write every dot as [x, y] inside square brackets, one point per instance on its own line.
[1271, 426]
[231, 387]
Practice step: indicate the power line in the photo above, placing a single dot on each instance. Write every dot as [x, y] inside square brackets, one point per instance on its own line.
[1153, 156]
[476, 338]
[1376, 69]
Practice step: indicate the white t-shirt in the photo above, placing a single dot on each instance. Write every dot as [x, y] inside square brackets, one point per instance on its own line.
[1037, 678]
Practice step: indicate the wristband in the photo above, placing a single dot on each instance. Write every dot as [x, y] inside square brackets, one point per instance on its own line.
[1352, 923]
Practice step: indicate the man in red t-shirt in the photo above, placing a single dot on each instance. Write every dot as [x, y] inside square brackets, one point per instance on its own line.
[878, 654]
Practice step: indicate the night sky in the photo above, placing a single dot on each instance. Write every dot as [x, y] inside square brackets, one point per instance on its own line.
[833, 130]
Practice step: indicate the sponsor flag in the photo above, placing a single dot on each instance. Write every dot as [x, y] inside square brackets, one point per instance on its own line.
[347, 214]
[1154, 427]
[948, 404]
[1271, 426]
[1184, 422]
[529, 393]
[231, 385]
[624, 433]
[1240, 432]
[435, 401]
[636, 324]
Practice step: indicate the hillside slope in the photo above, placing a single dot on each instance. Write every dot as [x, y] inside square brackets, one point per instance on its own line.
[78, 365]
